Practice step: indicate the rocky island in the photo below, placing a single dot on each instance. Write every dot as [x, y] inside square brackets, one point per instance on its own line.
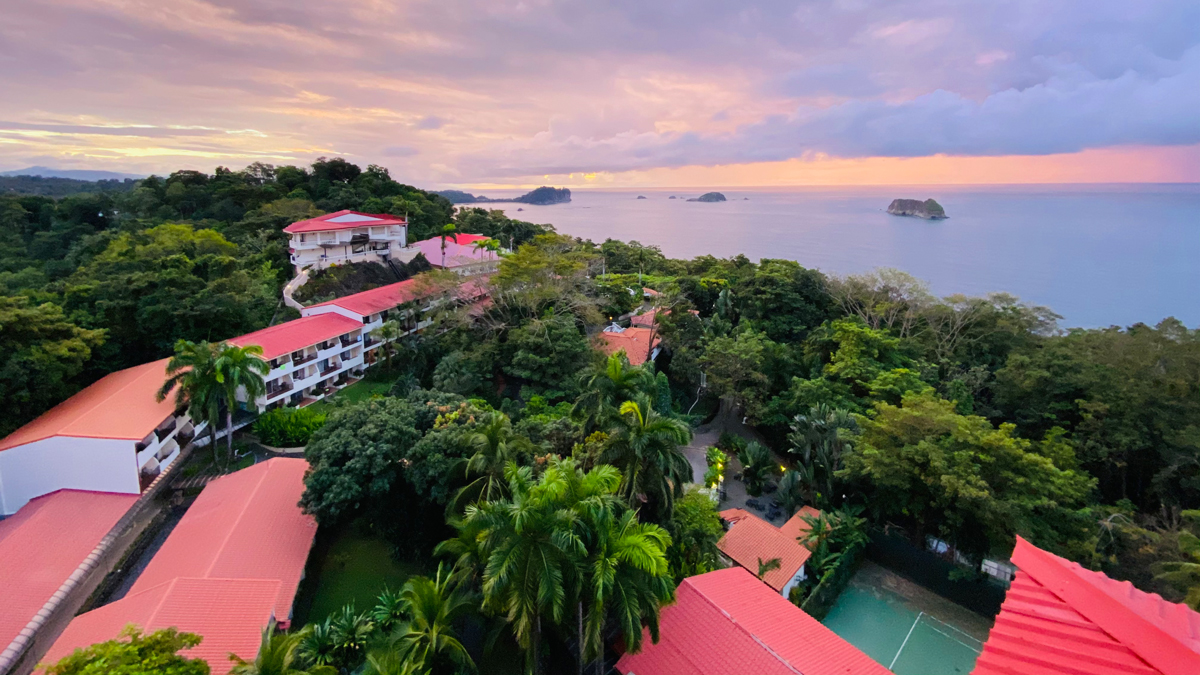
[542, 196]
[709, 197]
[641, 196]
[928, 209]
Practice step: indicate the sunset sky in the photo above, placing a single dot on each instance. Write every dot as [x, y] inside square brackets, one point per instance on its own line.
[629, 93]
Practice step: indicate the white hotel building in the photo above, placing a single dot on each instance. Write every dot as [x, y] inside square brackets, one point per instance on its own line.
[348, 237]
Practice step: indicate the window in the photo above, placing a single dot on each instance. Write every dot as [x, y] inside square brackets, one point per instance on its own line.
[301, 237]
[358, 248]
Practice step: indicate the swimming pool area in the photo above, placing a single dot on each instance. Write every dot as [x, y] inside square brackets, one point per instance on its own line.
[906, 628]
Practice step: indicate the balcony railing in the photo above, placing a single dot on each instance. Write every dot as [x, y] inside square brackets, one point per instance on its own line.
[299, 358]
[278, 389]
[370, 341]
[347, 341]
[165, 430]
[332, 368]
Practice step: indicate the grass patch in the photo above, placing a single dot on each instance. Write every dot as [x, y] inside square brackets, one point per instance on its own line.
[350, 566]
[359, 391]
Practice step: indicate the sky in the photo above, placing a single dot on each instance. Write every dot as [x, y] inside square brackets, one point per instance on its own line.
[497, 93]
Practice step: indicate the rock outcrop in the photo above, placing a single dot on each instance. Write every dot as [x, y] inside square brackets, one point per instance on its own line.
[709, 197]
[928, 209]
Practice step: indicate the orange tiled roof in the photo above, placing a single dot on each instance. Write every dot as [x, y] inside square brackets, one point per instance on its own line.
[751, 538]
[246, 525]
[297, 334]
[43, 543]
[228, 613]
[120, 405]
[635, 342]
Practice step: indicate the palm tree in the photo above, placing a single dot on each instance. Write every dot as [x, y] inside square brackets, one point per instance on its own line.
[607, 387]
[644, 445]
[191, 373]
[820, 438]
[388, 661]
[239, 369]
[495, 446]
[389, 610]
[432, 607]
[792, 487]
[318, 644]
[532, 551]
[278, 654]
[448, 231]
[351, 632]
[486, 245]
[765, 567]
[388, 333]
[757, 466]
[626, 578]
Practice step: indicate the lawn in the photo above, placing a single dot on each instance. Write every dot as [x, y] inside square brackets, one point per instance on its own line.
[349, 567]
[359, 391]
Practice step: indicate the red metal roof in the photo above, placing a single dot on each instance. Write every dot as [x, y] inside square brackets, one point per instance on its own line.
[376, 299]
[728, 623]
[635, 342]
[228, 613]
[297, 334]
[465, 239]
[43, 543]
[751, 538]
[344, 220]
[246, 525]
[1060, 619]
[119, 405]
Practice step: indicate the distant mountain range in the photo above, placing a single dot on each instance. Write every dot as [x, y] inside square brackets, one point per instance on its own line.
[541, 197]
[75, 174]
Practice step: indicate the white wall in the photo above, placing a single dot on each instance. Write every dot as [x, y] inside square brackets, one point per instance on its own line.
[63, 462]
[787, 588]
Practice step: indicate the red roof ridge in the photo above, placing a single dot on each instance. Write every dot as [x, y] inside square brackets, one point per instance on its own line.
[1155, 643]
[739, 626]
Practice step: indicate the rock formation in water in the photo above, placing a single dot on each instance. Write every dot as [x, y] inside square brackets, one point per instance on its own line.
[928, 209]
[671, 197]
[542, 196]
[709, 197]
[641, 196]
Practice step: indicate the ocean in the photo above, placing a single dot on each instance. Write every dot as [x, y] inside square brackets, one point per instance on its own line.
[1099, 255]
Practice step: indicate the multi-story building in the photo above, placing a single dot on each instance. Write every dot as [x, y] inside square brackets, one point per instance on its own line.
[460, 254]
[86, 442]
[310, 357]
[348, 237]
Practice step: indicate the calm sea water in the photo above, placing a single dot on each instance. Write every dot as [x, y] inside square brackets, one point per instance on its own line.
[1097, 255]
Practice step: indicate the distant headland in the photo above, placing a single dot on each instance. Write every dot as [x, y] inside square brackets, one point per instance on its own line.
[709, 197]
[928, 209]
[542, 196]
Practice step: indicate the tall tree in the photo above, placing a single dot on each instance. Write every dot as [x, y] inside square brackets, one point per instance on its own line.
[495, 445]
[192, 375]
[644, 446]
[239, 370]
[428, 636]
[606, 388]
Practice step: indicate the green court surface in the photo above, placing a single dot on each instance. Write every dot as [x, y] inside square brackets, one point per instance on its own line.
[908, 641]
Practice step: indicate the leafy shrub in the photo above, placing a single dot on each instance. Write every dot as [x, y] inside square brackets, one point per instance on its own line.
[731, 443]
[287, 427]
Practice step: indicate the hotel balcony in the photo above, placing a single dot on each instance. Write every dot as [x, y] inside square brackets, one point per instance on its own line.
[300, 358]
[332, 368]
[165, 430]
[277, 389]
[348, 340]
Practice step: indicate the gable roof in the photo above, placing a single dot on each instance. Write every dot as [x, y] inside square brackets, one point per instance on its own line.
[464, 239]
[343, 220]
[1060, 619]
[376, 299]
[120, 405]
[727, 623]
[635, 341]
[228, 613]
[297, 334]
[44, 542]
[246, 525]
[751, 538]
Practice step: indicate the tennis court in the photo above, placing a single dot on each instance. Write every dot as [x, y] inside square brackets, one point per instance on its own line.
[896, 624]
